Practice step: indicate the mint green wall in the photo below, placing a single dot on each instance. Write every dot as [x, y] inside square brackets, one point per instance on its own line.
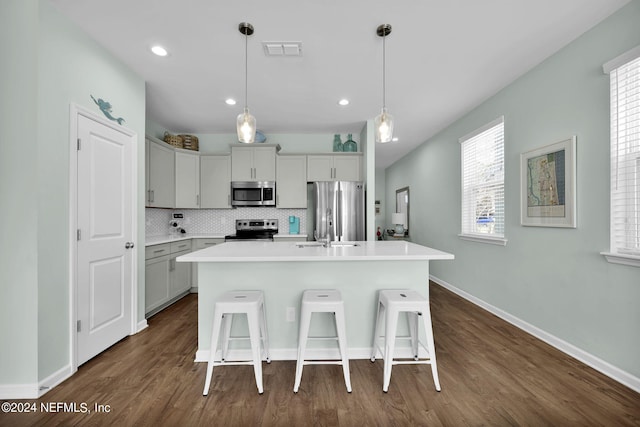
[51, 64]
[381, 185]
[71, 68]
[554, 279]
[18, 193]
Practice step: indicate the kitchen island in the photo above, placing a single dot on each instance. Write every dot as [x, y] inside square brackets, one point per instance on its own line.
[283, 270]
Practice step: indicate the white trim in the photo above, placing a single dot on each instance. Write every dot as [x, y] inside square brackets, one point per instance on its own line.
[624, 259]
[142, 325]
[481, 129]
[478, 238]
[595, 362]
[18, 391]
[616, 62]
[54, 379]
[75, 111]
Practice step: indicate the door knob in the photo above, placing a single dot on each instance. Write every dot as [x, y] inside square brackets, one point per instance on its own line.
[128, 245]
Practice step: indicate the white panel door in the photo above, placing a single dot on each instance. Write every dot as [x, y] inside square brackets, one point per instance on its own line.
[104, 215]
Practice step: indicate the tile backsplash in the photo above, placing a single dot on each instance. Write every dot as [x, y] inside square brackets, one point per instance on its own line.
[217, 221]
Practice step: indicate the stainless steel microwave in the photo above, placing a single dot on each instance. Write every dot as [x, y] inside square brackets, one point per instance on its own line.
[249, 193]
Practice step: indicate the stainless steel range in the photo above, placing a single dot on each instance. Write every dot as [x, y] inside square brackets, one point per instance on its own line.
[253, 229]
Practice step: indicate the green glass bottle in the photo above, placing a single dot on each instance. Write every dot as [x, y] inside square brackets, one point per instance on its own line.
[350, 145]
[337, 143]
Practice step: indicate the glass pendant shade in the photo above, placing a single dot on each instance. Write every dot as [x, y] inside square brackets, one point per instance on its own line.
[383, 125]
[246, 126]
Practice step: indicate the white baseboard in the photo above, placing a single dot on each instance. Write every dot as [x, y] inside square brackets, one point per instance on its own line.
[19, 391]
[589, 359]
[142, 325]
[34, 391]
[54, 379]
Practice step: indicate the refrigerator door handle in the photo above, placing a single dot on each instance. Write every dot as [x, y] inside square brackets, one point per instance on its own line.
[339, 216]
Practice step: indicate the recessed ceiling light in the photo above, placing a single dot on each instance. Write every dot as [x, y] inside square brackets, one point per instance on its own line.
[343, 102]
[159, 50]
[230, 101]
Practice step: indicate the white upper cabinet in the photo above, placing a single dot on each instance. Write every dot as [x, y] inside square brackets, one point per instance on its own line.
[291, 182]
[215, 182]
[160, 170]
[334, 167]
[187, 180]
[255, 163]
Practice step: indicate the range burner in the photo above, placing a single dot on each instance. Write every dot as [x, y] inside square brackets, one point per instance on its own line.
[254, 229]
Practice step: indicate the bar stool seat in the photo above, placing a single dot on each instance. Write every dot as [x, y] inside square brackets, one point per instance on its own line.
[322, 301]
[250, 303]
[390, 304]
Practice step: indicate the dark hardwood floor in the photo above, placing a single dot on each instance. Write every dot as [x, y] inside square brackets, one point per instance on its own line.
[491, 373]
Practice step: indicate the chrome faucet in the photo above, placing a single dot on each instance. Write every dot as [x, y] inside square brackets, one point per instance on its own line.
[327, 243]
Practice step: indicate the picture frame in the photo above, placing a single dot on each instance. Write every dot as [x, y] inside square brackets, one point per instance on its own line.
[548, 185]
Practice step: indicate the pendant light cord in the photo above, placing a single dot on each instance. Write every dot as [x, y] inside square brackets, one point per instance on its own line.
[384, 66]
[246, 69]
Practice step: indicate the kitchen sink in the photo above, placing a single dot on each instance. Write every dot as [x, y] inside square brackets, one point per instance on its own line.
[344, 244]
[309, 244]
[320, 244]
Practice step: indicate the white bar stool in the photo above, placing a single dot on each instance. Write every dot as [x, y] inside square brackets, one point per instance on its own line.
[322, 301]
[390, 304]
[250, 303]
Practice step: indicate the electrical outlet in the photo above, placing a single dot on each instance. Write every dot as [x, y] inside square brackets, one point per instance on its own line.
[291, 314]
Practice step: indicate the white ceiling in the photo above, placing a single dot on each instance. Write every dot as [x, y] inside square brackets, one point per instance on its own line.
[444, 58]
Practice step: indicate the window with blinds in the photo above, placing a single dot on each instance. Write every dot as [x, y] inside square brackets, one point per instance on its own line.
[482, 154]
[625, 153]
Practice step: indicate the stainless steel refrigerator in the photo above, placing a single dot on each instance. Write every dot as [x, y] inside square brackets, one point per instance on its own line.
[338, 206]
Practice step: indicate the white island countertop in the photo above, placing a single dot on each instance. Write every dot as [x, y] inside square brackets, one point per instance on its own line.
[311, 251]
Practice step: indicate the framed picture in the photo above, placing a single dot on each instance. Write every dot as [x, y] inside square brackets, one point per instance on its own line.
[548, 185]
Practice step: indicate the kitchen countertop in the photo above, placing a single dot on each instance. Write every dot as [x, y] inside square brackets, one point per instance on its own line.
[168, 238]
[290, 251]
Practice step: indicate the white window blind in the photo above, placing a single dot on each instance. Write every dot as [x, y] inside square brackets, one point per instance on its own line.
[482, 155]
[625, 157]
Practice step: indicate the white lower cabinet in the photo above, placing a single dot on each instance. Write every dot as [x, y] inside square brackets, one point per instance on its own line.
[166, 280]
[157, 285]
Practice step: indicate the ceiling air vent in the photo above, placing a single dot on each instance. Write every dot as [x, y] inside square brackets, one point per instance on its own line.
[282, 48]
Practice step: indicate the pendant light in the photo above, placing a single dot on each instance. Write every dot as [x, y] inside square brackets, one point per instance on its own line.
[384, 122]
[246, 123]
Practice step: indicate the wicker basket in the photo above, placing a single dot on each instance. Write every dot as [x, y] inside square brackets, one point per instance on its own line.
[190, 142]
[174, 140]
